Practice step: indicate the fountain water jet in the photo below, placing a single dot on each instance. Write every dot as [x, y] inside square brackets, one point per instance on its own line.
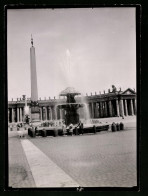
[85, 109]
[74, 111]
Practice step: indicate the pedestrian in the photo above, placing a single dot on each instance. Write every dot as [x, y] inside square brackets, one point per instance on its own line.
[11, 127]
[64, 128]
[80, 127]
[71, 127]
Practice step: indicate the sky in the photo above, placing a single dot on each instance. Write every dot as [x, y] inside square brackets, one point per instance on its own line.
[88, 49]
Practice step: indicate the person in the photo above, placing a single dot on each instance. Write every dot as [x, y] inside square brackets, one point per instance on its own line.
[18, 127]
[80, 127]
[64, 128]
[71, 127]
[79, 124]
[11, 127]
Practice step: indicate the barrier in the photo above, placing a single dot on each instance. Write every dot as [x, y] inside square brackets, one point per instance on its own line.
[118, 126]
[94, 129]
[113, 127]
[121, 126]
[55, 133]
[43, 133]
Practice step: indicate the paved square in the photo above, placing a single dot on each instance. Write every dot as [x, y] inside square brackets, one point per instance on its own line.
[107, 159]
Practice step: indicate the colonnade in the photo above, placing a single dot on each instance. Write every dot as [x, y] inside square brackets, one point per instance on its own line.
[112, 108]
[16, 114]
[46, 113]
[51, 113]
[97, 109]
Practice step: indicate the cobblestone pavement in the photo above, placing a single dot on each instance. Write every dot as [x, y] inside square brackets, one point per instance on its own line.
[45, 172]
[19, 171]
[107, 159]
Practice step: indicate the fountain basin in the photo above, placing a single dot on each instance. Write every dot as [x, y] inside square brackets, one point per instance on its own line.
[58, 130]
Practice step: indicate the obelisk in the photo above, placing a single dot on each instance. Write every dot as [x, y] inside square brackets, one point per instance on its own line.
[34, 91]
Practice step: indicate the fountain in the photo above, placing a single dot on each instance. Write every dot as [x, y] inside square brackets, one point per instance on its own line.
[70, 106]
[72, 116]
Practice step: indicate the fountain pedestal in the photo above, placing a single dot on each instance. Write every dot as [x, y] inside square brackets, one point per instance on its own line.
[70, 106]
[72, 117]
[35, 111]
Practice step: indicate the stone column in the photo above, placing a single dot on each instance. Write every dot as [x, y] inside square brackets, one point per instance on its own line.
[30, 113]
[105, 109]
[110, 108]
[8, 115]
[99, 114]
[22, 111]
[61, 114]
[20, 114]
[135, 106]
[18, 119]
[92, 109]
[96, 111]
[51, 116]
[12, 115]
[55, 113]
[41, 116]
[126, 111]
[45, 113]
[132, 111]
[101, 111]
[117, 107]
[23, 114]
[52, 111]
[121, 108]
[94, 105]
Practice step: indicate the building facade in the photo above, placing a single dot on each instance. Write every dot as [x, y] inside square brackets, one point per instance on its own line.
[111, 104]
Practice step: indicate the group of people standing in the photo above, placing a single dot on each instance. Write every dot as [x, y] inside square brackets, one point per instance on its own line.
[72, 129]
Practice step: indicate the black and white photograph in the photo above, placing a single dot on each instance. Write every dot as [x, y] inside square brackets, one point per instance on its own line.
[72, 98]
